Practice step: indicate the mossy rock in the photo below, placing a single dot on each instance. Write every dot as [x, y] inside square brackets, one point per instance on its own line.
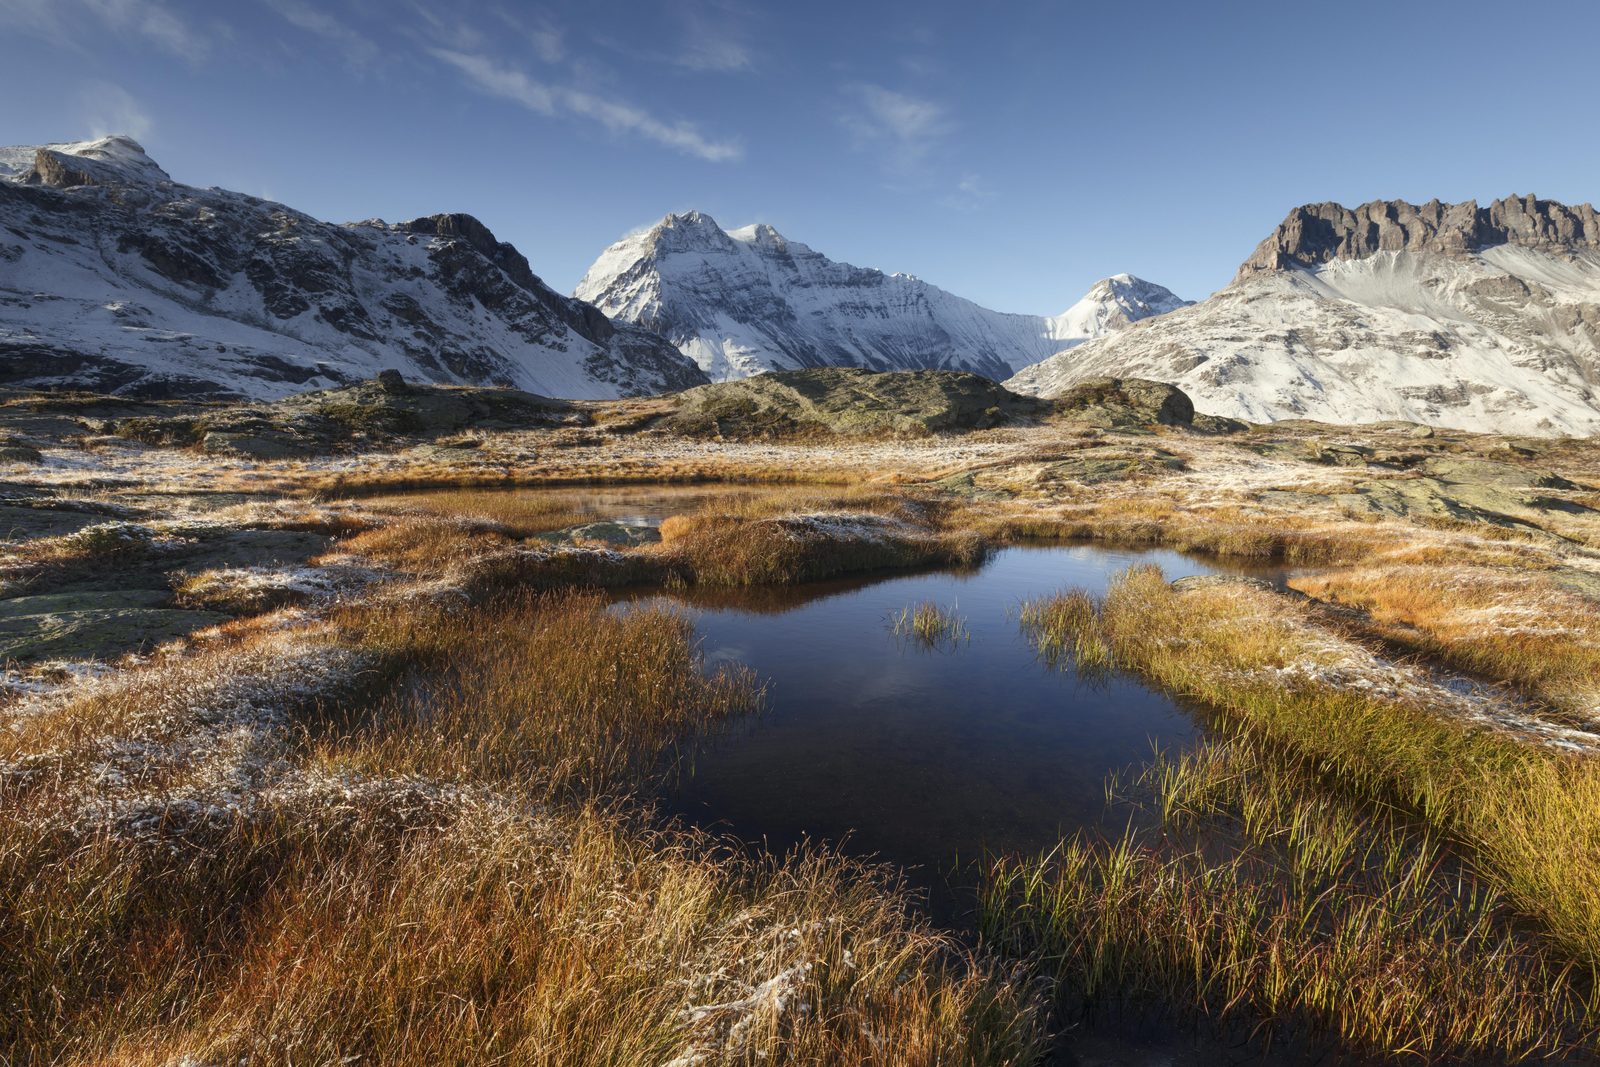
[400, 409]
[847, 402]
[256, 446]
[1112, 403]
[1110, 463]
[1491, 502]
[93, 625]
[12, 452]
[331, 420]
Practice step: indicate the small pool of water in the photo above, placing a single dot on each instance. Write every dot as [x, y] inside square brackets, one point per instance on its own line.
[926, 758]
[648, 505]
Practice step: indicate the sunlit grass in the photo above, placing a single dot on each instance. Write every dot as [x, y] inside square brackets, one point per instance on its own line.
[1519, 626]
[1527, 816]
[447, 870]
[930, 625]
[1059, 628]
[1401, 967]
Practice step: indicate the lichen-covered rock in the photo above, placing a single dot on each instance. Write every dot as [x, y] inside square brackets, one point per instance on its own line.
[1115, 402]
[328, 420]
[848, 402]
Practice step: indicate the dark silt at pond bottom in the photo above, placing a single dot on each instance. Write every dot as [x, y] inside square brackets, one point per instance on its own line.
[926, 758]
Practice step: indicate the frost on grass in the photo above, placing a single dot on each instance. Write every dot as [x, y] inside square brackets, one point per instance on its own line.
[248, 590]
[1323, 659]
[175, 745]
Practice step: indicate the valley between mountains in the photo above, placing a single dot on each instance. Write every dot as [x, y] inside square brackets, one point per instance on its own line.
[757, 658]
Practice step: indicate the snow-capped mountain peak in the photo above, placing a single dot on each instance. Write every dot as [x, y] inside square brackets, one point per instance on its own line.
[1460, 315]
[114, 277]
[744, 301]
[1114, 302]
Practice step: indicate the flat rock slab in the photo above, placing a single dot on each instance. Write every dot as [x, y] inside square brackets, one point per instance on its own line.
[618, 534]
[26, 523]
[93, 625]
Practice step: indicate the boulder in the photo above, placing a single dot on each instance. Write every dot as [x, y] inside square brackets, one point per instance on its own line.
[1118, 402]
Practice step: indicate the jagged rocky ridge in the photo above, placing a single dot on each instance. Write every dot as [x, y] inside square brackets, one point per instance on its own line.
[745, 301]
[1314, 234]
[1456, 315]
[115, 278]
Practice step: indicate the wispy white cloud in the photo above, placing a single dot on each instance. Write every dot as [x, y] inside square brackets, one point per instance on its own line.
[109, 109]
[155, 22]
[713, 36]
[713, 39]
[360, 51]
[970, 193]
[714, 54]
[61, 21]
[442, 26]
[509, 83]
[902, 128]
[548, 39]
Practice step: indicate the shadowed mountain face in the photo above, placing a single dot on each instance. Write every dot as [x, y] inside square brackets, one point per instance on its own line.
[1478, 318]
[114, 277]
[740, 302]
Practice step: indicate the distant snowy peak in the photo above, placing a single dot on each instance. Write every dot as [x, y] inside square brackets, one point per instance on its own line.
[745, 301]
[114, 277]
[1115, 302]
[1445, 314]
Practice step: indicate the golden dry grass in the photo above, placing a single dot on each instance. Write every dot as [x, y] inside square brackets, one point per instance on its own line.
[930, 625]
[799, 538]
[1527, 816]
[1316, 899]
[520, 514]
[1521, 627]
[428, 878]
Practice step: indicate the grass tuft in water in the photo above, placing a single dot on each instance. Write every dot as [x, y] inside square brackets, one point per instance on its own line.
[1061, 627]
[930, 624]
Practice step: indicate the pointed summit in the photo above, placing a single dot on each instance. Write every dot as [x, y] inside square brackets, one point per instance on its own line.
[750, 300]
[689, 230]
[251, 298]
[1114, 302]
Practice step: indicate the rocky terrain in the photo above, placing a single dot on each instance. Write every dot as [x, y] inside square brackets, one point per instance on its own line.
[851, 402]
[98, 478]
[253, 647]
[740, 302]
[1448, 315]
[114, 277]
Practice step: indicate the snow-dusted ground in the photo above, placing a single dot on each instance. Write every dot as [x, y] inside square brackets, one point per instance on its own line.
[740, 302]
[1503, 340]
[1330, 661]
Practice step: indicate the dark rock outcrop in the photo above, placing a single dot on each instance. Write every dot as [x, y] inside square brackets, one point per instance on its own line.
[1314, 234]
[1110, 402]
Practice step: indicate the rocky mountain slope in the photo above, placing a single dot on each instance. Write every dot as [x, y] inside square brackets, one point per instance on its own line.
[740, 302]
[1482, 318]
[113, 277]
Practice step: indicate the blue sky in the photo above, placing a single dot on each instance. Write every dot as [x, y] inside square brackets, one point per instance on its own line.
[1012, 153]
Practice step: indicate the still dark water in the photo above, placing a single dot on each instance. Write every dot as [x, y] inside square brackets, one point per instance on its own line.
[926, 758]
